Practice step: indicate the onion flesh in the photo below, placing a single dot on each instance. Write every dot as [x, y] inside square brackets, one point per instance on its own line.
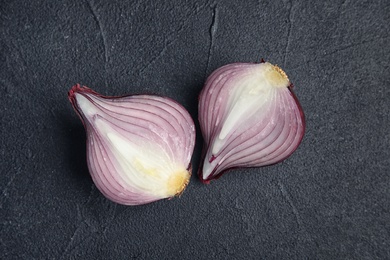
[249, 117]
[139, 147]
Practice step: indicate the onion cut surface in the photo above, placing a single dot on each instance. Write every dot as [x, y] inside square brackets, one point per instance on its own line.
[249, 117]
[139, 147]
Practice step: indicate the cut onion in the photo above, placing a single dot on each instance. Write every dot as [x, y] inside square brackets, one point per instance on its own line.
[139, 148]
[249, 117]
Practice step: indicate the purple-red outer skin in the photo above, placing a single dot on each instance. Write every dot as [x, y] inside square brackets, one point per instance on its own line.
[72, 98]
[80, 89]
[204, 149]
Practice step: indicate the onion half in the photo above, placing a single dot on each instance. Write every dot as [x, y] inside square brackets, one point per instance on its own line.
[139, 148]
[249, 117]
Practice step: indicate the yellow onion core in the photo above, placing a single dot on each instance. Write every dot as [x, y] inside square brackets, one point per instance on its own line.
[177, 182]
[276, 76]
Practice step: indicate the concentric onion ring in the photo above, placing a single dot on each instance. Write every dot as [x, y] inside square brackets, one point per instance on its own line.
[249, 117]
[139, 148]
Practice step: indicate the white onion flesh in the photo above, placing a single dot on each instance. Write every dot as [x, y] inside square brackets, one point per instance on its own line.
[249, 117]
[139, 148]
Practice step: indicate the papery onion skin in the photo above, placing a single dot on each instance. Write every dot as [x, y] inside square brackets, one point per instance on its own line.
[249, 117]
[139, 147]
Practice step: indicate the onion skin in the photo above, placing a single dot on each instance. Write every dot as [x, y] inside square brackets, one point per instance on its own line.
[139, 147]
[249, 117]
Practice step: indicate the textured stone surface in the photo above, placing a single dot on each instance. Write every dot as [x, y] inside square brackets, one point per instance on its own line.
[329, 200]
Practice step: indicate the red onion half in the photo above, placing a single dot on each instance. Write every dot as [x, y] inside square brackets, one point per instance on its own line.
[249, 117]
[139, 148]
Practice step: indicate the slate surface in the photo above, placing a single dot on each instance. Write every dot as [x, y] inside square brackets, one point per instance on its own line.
[329, 200]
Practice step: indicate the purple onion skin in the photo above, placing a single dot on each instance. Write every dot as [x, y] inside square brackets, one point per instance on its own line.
[111, 183]
[206, 145]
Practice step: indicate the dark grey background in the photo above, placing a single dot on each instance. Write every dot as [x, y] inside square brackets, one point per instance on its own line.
[329, 200]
